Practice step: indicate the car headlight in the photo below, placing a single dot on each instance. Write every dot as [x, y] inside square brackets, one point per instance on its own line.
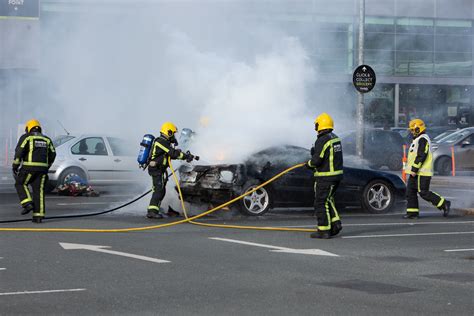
[188, 176]
[226, 176]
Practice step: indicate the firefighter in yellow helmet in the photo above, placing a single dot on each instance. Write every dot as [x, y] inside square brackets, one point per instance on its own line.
[420, 168]
[34, 154]
[326, 162]
[162, 148]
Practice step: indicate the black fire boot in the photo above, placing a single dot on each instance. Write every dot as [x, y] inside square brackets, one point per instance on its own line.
[336, 228]
[27, 208]
[321, 235]
[37, 219]
[446, 208]
[153, 214]
[411, 216]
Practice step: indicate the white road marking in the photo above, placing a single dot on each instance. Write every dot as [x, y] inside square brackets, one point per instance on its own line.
[1, 269]
[97, 248]
[41, 292]
[409, 235]
[316, 252]
[455, 250]
[392, 224]
[83, 203]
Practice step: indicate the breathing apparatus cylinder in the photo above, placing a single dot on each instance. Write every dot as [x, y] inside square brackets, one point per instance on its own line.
[145, 149]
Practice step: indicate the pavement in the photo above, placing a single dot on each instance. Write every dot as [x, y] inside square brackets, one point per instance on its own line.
[380, 264]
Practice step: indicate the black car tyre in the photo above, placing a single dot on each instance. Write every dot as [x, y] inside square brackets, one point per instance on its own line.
[257, 203]
[378, 197]
[69, 172]
[443, 166]
[395, 163]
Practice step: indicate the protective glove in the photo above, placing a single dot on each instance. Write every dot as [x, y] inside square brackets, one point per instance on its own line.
[15, 170]
[312, 151]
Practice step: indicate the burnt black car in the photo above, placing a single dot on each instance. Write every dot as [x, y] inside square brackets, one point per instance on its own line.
[374, 191]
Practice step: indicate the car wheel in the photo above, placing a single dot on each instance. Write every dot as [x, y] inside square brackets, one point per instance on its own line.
[378, 197]
[257, 203]
[70, 172]
[395, 163]
[443, 166]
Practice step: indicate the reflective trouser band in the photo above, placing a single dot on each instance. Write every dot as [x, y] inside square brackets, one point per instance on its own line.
[153, 207]
[441, 201]
[328, 216]
[35, 164]
[25, 186]
[25, 201]
[412, 210]
[38, 214]
[418, 181]
[43, 178]
[328, 173]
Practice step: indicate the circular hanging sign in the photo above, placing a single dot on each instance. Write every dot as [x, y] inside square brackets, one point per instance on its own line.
[364, 78]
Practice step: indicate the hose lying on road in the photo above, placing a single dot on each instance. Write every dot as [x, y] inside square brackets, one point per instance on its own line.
[238, 198]
[186, 220]
[82, 215]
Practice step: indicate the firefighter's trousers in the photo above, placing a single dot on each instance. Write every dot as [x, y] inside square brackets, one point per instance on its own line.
[37, 181]
[421, 185]
[158, 191]
[324, 205]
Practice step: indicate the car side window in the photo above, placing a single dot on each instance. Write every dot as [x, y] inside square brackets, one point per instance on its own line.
[468, 141]
[120, 147]
[90, 146]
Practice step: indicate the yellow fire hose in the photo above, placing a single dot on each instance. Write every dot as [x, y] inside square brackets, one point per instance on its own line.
[186, 220]
[191, 219]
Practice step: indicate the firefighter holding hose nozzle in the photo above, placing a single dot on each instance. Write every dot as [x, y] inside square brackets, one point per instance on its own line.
[326, 162]
[161, 149]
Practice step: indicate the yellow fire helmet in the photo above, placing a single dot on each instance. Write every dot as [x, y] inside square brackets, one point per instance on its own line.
[323, 121]
[168, 129]
[416, 127]
[31, 124]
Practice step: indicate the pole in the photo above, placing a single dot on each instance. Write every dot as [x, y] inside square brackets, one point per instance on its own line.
[397, 105]
[360, 97]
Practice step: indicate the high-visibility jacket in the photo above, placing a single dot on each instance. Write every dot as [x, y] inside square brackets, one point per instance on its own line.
[160, 152]
[327, 159]
[34, 152]
[420, 158]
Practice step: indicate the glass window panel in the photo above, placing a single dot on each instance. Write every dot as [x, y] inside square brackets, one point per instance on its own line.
[379, 41]
[415, 56]
[458, 27]
[414, 42]
[454, 43]
[411, 25]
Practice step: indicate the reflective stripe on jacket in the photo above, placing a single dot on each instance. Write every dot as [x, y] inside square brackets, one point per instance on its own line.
[420, 158]
[35, 152]
[327, 159]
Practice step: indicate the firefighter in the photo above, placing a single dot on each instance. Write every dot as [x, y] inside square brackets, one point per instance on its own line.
[34, 155]
[326, 162]
[420, 168]
[162, 148]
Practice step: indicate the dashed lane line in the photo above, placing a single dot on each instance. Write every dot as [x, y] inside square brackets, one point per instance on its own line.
[455, 250]
[41, 292]
[407, 235]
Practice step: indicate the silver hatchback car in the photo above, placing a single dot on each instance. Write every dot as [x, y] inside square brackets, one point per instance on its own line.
[462, 142]
[99, 159]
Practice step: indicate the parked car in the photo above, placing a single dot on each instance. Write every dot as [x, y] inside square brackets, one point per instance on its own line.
[462, 142]
[98, 159]
[443, 135]
[381, 148]
[375, 191]
[435, 132]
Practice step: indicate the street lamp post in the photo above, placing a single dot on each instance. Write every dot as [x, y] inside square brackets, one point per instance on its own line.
[360, 96]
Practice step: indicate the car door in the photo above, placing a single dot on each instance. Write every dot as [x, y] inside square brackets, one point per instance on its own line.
[464, 153]
[91, 153]
[124, 160]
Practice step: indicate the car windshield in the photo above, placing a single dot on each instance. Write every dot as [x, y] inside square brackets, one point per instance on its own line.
[61, 139]
[442, 135]
[454, 137]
